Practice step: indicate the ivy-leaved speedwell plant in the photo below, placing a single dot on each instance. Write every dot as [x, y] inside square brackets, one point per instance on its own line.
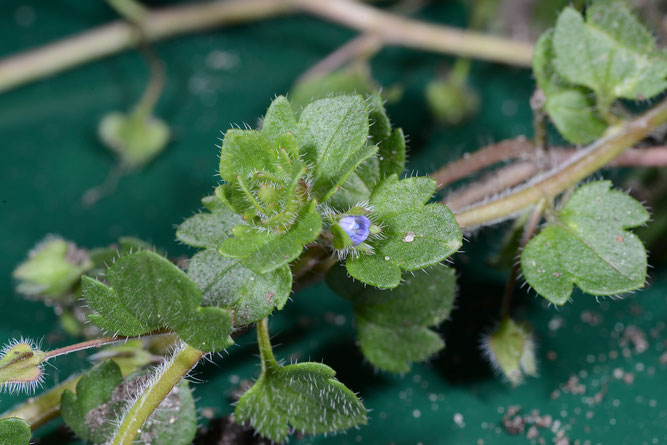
[323, 189]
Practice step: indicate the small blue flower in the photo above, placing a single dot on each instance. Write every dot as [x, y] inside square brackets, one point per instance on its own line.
[356, 228]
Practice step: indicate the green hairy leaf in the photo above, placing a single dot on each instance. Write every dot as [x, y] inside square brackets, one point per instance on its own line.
[207, 229]
[389, 160]
[510, 349]
[304, 395]
[264, 251]
[148, 292]
[226, 283]
[609, 52]
[338, 132]
[414, 235]
[102, 396]
[587, 243]
[14, 431]
[571, 108]
[393, 325]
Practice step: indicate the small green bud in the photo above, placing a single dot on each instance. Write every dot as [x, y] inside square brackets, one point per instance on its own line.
[511, 350]
[135, 138]
[53, 267]
[268, 194]
[20, 366]
[451, 102]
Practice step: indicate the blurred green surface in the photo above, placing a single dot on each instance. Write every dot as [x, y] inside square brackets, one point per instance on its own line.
[50, 157]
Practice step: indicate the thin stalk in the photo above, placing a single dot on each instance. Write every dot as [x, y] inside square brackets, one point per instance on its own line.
[166, 378]
[528, 231]
[615, 141]
[95, 343]
[265, 348]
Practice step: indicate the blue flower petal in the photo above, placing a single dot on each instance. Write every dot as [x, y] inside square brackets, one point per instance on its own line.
[356, 228]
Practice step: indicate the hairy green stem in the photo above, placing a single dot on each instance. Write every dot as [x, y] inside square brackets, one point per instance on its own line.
[589, 160]
[166, 378]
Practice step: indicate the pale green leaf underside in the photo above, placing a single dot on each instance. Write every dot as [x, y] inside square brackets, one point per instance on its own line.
[227, 283]
[393, 325]
[207, 229]
[14, 431]
[414, 235]
[588, 245]
[147, 292]
[610, 53]
[264, 251]
[338, 128]
[306, 396]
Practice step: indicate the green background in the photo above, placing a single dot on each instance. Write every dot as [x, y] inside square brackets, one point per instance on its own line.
[50, 156]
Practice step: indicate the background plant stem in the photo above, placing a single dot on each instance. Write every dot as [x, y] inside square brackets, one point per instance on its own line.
[168, 22]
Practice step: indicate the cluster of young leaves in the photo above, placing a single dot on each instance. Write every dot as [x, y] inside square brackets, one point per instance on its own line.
[584, 65]
[102, 395]
[587, 243]
[393, 325]
[303, 396]
[341, 151]
[147, 292]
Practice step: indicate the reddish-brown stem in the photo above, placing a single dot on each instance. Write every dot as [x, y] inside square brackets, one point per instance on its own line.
[519, 172]
[95, 343]
[491, 184]
[485, 157]
[361, 47]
